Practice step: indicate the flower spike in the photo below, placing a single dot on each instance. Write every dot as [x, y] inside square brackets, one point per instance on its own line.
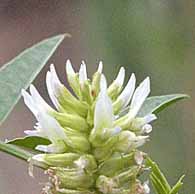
[93, 148]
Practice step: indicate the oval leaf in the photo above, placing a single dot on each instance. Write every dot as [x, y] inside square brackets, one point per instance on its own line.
[29, 142]
[21, 71]
[155, 104]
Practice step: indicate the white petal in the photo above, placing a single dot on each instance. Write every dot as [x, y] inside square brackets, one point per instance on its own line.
[55, 77]
[103, 116]
[34, 133]
[51, 128]
[150, 117]
[50, 90]
[49, 149]
[29, 102]
[109, 132]
[82, 73]
[103, 84]
[127, 93]
[39, 101]
[100, 67]
[120, 77]
[140, 95]
[69, 69]
[39, 157]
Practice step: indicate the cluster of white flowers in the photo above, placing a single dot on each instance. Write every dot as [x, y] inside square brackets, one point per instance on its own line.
[90, 121]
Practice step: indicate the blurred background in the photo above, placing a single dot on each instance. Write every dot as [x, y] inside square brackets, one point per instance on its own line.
[148, 37]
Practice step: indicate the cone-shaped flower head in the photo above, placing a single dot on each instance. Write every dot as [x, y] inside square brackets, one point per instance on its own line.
[94, 134]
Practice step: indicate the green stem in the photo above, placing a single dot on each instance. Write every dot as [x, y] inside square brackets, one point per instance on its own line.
[15, 151]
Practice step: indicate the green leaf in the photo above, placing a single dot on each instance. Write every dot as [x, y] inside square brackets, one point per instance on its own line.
[15, 151]
[177, 186]
[159, 188]
[21, 71]
[155, 104]
[29, 142]
[160, 182]
[157, 175]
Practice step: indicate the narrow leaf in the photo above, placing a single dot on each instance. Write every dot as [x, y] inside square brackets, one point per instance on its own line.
[158, 174]
[177, 186]
[21, 71]
[15, 151]
[29, 142]
[160, 189]
[155, 104]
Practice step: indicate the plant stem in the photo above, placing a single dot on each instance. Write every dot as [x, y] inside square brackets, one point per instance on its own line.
[15, 151]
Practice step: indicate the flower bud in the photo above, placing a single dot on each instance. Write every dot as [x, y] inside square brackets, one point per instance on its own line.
[73, 178]
[120, 162]
[96, 80]
[79, 143]
[87, 92]
[104, 151]
[71, 121]
[73, 79]
[86, 162]
[116, 86]
[124, 98]
[106, 185]
[61, 97]
[60, 160]
[129, 141]
[128, 175]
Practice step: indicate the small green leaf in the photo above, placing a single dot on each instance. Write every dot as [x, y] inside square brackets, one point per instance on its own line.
[159, 181]
[160, 189]
[29, 142]
[21, 71]
[158, 176]
[155, 104]
[177, 186]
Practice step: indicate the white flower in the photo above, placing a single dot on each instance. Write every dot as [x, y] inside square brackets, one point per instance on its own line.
[139, 96]
[115, 88]
[82, 73]
[129, 141]
[54, 86]
[54, 132]
[69, 69]
[35, 102]
[100, 67]
[103, 115]
[124, 98]
[129, 120]
[120, 77]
